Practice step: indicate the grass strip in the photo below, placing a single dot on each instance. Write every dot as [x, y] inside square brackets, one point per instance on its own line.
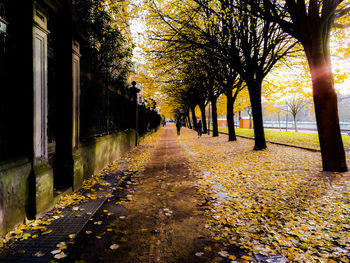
[308, 140]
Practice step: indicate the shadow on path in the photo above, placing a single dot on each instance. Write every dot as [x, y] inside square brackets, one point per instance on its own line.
[157, 217]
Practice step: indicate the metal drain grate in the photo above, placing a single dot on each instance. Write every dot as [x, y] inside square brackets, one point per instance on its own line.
[62, 227]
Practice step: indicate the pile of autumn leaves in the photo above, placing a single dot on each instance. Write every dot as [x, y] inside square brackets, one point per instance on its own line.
[274, 201]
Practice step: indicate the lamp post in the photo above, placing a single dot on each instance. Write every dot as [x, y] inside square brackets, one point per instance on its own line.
[134, 91]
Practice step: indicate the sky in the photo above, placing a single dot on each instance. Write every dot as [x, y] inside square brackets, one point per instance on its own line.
[343, 88]
[138, 28]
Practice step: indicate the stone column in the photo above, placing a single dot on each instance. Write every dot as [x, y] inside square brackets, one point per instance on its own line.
[76, 93]
[40, 85]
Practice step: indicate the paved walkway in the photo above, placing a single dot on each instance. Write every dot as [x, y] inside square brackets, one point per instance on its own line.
[154, 217]
[163, 222]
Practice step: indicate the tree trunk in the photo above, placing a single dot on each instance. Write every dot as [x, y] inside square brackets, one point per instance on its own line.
[204, 121]
[194, 118]
[230, 115]
[326, 108]
[189, 120]
[254, 89]
[214, 117]
[295, 123]
[239, 119]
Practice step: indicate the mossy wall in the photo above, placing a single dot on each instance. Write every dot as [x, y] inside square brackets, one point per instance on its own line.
[44, 188]
[95, 154]
[91, 157]
[14, 175]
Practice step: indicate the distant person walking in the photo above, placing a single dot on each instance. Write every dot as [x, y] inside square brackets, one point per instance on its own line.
[178, 127]
[199, 128]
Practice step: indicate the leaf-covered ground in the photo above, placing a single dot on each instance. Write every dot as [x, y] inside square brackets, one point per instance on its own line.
[308, 140]
[132, 162]
[272, 201]
[275, 201]
[163, 221]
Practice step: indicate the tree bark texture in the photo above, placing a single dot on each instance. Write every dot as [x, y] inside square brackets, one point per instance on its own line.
[254, 89]
[204, 121]
[189, 120]
[295, 123]
[214, 117]
[326, 108]
[230, 117]
[194, 118]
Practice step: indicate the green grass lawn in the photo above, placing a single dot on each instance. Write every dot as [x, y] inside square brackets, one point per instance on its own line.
[309, 140]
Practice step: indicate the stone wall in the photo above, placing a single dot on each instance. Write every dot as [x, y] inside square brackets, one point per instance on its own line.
[14, 176]
[91, 157]
[95, 154]
[44, 188]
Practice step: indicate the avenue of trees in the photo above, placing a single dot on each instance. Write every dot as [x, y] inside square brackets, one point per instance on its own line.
[311, 25]
[206, 48]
